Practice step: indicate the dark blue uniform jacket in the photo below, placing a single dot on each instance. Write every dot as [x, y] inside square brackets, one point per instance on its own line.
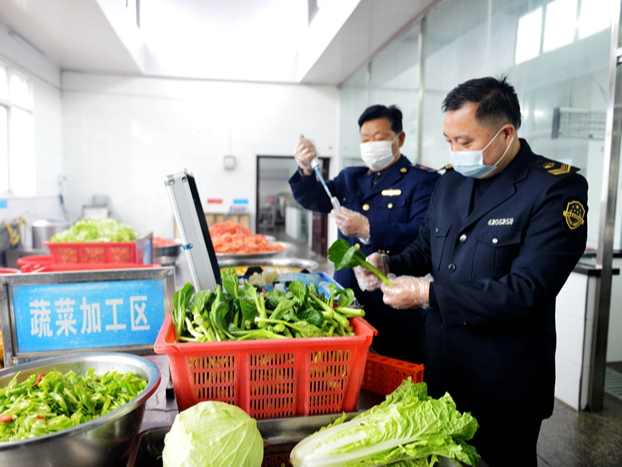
[490, 329]
[395, 207]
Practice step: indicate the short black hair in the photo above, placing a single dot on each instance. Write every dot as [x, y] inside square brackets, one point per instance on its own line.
[392, 113]
[496, 99]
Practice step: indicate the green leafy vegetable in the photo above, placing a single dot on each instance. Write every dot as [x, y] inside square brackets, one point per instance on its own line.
[408, 428]
[47, 403]
[346, 256]
[213, 434]
[241, 312]
[92, 229]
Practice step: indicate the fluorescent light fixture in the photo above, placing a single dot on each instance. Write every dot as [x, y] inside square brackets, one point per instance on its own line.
[560, 24]
[595, 16]
[528, 36]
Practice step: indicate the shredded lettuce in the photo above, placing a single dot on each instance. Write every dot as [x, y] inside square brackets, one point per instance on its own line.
[92, 229]
[408, 429]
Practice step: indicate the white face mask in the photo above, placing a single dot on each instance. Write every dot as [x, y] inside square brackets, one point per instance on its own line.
[377, 154]
[471, 163]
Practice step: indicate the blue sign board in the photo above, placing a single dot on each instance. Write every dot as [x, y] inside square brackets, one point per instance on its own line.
[89, 314]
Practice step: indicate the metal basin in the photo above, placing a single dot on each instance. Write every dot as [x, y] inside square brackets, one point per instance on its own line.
[103, 442]
[166, 255]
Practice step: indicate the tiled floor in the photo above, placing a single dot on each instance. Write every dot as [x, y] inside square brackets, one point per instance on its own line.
[567, 439]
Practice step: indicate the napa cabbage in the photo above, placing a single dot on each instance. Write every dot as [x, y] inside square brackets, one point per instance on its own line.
[408, 429]
[213, 434]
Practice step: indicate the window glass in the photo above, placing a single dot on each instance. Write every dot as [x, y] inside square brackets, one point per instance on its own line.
[4, 84]
[353, 101]
[560, 24]
[19, 91]
[572, 77]
[395, 81]
[21, 153]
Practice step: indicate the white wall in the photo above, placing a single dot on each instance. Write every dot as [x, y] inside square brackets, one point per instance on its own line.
[47, 95]
[123, 135]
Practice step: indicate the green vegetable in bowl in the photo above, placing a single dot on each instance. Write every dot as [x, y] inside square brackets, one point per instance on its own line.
[408, 428]
[346, 256]
[46, 403]
[213, 434]
[96, 230]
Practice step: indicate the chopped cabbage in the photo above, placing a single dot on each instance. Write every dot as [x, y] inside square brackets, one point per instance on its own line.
[93, 229]
[213, 434]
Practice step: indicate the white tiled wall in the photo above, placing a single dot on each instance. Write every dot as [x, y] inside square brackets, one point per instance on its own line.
[122, 136]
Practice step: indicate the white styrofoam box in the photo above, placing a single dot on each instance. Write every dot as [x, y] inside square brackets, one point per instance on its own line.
[567, 382]
[572, 297]
[570, 337]
[614, 343]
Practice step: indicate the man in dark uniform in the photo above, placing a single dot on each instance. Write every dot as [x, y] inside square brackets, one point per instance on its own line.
[383, 206]
[504, 231]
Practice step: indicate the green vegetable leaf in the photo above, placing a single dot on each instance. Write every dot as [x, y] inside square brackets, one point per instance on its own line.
[230, 281]
[312, 316]
[346, 256]
[93, 229]
[181, 299]
[408, 428]
[299, 291]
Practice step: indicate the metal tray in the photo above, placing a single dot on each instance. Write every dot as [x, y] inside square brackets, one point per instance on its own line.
[266, 254]
[280, 436]
[302, 264]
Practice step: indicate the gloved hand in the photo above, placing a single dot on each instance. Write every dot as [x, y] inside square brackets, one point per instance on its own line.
[407, 292]
[351, 223]
[304, 152]
[366, 279]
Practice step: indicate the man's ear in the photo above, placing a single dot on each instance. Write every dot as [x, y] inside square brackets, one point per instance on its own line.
[509, 131]
[401, 138]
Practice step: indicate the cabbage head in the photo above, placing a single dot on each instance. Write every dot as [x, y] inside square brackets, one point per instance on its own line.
[213, 434]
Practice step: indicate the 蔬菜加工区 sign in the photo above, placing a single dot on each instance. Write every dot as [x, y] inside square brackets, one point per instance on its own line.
[87, 314]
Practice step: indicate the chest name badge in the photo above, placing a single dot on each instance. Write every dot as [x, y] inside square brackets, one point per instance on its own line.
[574, 214]
[505, 221]
[391, 192]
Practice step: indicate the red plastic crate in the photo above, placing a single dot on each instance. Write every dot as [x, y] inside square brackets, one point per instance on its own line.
[31, 263]
[384, 374]
[270, 378]
[53, 267]
[100, 252]
[47, 264]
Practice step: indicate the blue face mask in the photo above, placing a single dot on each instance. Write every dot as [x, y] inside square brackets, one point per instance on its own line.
[471, 163]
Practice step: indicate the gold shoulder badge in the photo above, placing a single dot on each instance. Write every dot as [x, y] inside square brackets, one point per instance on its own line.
[558, 169]
[403, 170]
[574, 214]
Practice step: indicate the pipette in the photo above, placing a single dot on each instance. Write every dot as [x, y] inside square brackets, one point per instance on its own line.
[315, 165]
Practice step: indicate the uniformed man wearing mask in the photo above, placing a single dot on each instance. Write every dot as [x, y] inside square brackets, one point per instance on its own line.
[383, 206]
[504, 231]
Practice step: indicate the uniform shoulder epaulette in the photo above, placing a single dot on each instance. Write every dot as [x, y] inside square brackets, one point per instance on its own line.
[425, 168]
[559, 169]
[445, 169]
